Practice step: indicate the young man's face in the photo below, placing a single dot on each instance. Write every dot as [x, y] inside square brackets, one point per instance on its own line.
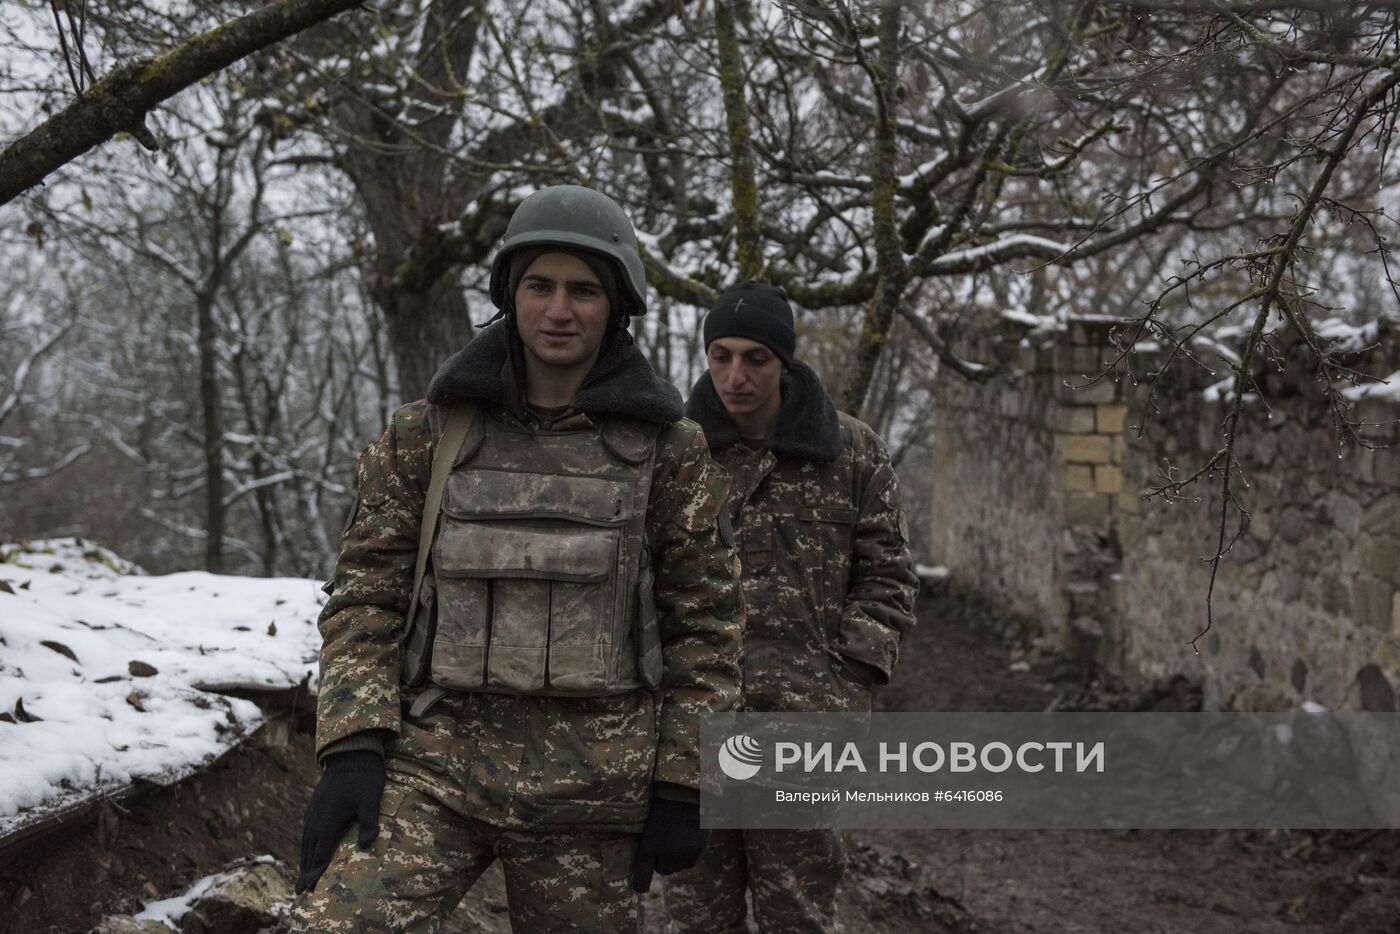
[561, 312]
[747, 375]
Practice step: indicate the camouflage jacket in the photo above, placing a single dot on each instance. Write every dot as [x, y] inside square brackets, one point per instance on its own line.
[828, 582]
[535, 760]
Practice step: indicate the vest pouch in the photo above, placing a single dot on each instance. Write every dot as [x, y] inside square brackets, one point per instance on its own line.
[418, 641]
[463, 614]
[525, 607]
[458, 655]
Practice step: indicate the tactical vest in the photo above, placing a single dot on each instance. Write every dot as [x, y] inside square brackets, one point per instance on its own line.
[541, 579]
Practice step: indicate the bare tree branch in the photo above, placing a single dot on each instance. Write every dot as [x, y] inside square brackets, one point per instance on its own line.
[120, 101]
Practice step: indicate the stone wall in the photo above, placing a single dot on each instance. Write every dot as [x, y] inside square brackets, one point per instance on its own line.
[1038, 502]
[993, 456]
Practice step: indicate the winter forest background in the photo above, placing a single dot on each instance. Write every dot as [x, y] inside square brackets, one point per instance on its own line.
[204, 319]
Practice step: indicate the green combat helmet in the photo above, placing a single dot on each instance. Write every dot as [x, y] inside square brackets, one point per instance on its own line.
[573, 216]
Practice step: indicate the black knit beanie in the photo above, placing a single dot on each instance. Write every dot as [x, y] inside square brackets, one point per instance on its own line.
[756, 311]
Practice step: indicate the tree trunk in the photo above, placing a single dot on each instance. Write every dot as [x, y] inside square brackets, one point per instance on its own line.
[424, 328]
[741, 172]
[889, 255]
[209, 402]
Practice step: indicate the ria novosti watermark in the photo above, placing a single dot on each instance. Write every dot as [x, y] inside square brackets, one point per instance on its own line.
[930, 756]
[1052, 770]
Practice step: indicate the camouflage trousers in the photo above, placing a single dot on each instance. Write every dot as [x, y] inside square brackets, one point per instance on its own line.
[793, 875]
[427, 856]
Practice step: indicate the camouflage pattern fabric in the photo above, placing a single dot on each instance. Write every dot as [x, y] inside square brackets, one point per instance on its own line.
[533, 762]
[538, 761]
[428, 855]
[538, 562]
[829, 589]
[794, 875]
[827, 576]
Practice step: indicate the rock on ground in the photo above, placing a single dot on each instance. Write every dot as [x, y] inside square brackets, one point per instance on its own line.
[250, 898]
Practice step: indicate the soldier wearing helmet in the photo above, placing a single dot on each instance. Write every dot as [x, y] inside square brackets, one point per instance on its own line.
[549, 524]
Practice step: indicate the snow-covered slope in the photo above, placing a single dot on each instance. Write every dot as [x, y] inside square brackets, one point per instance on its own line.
[106, 673]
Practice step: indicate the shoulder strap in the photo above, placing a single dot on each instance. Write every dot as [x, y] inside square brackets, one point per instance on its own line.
[454, 432]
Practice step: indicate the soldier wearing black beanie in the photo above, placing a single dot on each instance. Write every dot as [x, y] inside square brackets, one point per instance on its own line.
[827, 576]
[758, 312]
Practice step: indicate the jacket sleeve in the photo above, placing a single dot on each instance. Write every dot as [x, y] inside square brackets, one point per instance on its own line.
[879, 605]
[698, 599]
[362, 622]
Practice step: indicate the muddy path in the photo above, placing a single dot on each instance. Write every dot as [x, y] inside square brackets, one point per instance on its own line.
[959, 658]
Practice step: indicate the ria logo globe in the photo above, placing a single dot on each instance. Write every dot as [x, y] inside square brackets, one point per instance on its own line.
[740, 757]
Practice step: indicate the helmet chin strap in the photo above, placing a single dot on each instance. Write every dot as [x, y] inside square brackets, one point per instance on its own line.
[501, 313]
[619, 328]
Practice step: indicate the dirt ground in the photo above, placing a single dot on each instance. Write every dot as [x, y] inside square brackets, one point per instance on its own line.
[959, 658]
[154, 845]
[1098, 881]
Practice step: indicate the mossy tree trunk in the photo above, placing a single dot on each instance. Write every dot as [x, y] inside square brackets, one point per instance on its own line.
[889, 255]
[749, 246]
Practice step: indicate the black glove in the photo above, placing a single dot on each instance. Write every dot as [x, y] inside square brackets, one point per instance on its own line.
[671, 841]
[349, 790]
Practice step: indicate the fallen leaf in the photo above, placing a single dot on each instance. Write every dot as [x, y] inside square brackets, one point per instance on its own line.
[5, 717]
[139, 669]
[25, 585]
[24, 716]
[60, 648]
[272, 629]
[108, 680]
[134, 699]
[5, 587]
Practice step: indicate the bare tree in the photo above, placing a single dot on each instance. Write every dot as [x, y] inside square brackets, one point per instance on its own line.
[26, 344]
[441, 113]
[232, 364]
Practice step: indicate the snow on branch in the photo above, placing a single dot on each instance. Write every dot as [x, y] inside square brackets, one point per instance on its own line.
[120, 101]
[1014, 247]
[21, 377]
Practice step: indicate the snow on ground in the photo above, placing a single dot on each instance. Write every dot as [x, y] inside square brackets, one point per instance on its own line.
[106, 673]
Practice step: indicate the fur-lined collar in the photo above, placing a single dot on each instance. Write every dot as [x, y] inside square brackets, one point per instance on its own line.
[806, 427]
[622, 382]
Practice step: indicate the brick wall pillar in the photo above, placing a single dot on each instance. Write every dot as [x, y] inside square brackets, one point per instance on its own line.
[1088, 493]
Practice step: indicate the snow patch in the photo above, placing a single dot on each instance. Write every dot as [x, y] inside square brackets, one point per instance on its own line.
[1342, 337]
[105, 672]
[1387, 388]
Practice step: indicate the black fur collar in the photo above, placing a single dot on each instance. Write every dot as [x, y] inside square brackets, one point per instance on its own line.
[806, 427]
[622, 382]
